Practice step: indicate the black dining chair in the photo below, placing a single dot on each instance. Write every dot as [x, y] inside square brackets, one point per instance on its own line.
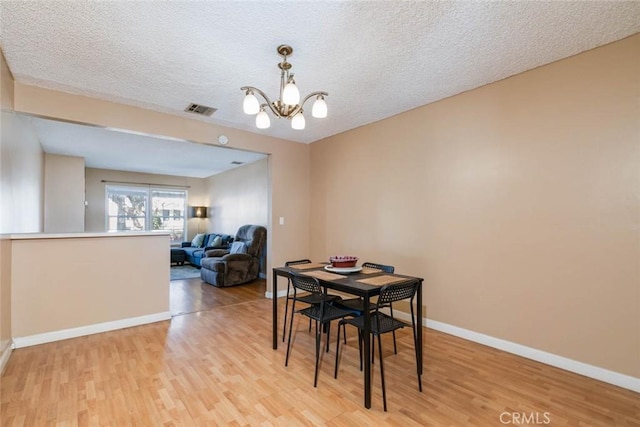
[286, 307]
[323, 312]
[357, 304]
[306, 297]
[382, 323]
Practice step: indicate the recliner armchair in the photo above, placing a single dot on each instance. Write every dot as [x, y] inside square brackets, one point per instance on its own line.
[240, 264]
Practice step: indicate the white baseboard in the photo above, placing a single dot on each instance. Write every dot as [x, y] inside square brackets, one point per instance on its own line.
[4, 356]
[595, 372]
[591, 371]
[269, 294]
[97, 328]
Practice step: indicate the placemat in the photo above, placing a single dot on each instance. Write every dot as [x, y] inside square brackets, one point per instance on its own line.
[382, 280]
[370, 270]
[324, 275]
[308, 266]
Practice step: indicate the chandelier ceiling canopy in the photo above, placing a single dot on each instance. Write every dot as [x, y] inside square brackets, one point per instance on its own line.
[288, 104]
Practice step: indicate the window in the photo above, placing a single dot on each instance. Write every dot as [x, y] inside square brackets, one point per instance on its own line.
[146, 209]
[167, 214]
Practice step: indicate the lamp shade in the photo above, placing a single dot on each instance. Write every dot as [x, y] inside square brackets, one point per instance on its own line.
[298, 122]
[319, 110]
[199, 211]
[291, 94]
[251, 105]
[262, 120]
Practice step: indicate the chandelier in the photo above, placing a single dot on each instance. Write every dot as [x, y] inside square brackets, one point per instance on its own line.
[288, 104]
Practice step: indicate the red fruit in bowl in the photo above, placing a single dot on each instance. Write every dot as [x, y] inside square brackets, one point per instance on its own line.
[343, 261]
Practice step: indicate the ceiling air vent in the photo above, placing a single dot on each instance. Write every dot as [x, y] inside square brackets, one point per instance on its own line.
[235, 162]
[203, 110]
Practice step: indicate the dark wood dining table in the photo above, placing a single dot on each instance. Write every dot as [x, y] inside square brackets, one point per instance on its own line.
[351, 284]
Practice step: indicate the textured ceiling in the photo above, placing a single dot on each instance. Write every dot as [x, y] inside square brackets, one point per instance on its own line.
[376, 59]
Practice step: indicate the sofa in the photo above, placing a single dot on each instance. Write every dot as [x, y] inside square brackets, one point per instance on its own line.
[241, 263]
[195, 249]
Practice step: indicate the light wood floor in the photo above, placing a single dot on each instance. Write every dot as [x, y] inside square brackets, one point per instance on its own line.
[215, 366]
[194, 295]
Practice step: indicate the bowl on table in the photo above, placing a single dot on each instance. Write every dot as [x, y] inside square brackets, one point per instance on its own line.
[343, 261]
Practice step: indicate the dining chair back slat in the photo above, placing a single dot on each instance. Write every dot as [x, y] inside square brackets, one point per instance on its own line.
[306, 284]
[386, 268]
[397, 292]
[297, 262]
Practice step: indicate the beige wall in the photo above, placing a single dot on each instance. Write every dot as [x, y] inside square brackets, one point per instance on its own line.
[21, 176]
[5, 297]
[288, 163]
[21, 165]
[75, 283]
[6, 85]
[6, 104]
[517, 202]
[63, 194]
[21, 191]
[239, 196]
[95, 192]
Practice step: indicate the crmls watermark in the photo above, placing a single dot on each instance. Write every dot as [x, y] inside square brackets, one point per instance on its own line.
[525, 418]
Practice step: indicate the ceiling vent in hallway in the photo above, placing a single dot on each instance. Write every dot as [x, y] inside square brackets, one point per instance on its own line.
[203, 110]
[235, 162]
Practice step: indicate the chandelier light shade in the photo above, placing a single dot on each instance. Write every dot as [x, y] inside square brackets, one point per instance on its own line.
[298, 121]
[251, 104]
[262, 119]
[288, 104]
[291, 94]
[319, 110]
